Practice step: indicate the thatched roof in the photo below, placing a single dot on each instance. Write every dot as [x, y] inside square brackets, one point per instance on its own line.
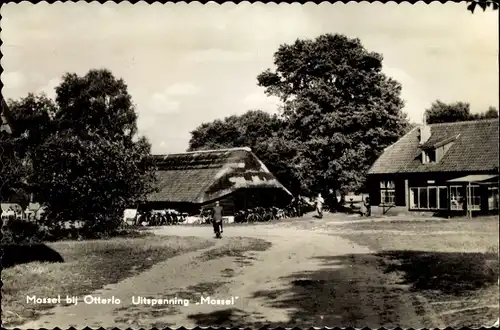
[203, 176]
[474, 149]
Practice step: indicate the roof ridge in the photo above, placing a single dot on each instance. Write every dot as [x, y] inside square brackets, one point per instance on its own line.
[463, 122]
[391, 146]
[476, 149]
[206, 151]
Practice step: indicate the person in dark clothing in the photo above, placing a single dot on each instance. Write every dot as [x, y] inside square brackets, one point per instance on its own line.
[217, 217]
[368, 207]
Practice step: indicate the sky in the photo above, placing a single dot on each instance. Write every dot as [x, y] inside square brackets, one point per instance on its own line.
[186, 64]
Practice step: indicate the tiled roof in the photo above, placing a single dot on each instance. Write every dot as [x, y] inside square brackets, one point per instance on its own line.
[201, 176]
[474, 149]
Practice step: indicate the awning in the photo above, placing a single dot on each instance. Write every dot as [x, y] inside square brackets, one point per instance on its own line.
[475, 178]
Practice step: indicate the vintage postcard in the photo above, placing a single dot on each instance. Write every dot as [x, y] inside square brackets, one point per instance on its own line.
[249, 165]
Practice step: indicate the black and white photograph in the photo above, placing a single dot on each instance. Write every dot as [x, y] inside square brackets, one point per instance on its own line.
[249, 165]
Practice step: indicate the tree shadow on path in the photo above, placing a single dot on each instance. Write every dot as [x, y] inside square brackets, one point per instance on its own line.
[380, 290]
[367, 290]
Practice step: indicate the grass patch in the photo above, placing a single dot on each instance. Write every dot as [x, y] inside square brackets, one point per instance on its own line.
[453, 263]
[88, 266]
[194, 292]
[451, 273]
[230, 318]
[455, 235]
[236, 248]
[480, 224]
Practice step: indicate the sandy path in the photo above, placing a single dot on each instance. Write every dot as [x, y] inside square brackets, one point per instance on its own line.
[293, 251]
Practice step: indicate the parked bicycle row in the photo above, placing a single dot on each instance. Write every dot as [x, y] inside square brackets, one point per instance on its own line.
[160, 218]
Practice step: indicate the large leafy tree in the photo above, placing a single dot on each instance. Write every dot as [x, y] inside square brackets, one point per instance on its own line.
[341, 109]
[492, 112]
[92, 179]
[97, 102]
[440, 112]
[264, 133]
[31, 119]
[13, 185]
[89, 163]
[248, 129]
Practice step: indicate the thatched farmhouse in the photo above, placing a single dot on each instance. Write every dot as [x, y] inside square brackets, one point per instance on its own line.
[449, 168]
[234, 177]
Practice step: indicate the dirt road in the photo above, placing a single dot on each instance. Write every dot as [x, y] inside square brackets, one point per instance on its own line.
[305, 278]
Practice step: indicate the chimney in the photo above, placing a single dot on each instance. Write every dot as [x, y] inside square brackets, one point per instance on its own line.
[425, 130]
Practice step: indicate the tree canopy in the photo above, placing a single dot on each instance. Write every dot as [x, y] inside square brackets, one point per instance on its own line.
[31, 118]
[99, 102]
[235, 131]
[441, 112]
[82, 155]
[340, 111]
[259, 130]
[483, 4]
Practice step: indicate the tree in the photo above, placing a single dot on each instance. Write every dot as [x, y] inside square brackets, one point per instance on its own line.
[440, 112]
[262, 132]
[492, 112]
[483, 4]
[246, 130]
[31, 117]
[97, 102]
[13, 185]
[91, 164]
[341, 109]
[92, 179]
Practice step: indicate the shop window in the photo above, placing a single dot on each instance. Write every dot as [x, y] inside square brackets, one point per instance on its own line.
[457, 198]
[443, 198]
[429, 198]
[492, 198]
[387, 193]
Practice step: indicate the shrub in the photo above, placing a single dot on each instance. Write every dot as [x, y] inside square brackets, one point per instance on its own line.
[21, 232]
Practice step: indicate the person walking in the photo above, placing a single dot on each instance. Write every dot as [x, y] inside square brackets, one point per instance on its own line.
[217, 217]
[319, 205]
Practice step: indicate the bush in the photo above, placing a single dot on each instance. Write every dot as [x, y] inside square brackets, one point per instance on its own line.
[21, 232]
[25, 232]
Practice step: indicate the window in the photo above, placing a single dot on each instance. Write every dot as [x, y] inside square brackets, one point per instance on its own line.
[387, 192]
[429, 156]
[492, 198]
[474, 199]
[456, 198]
[443, 198]
[413, 198]
[422, 198]
[429, 198]
[433, 198]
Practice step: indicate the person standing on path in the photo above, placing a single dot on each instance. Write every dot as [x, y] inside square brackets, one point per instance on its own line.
[217, 215]
[319, 205]
[298, 206]
[368, 206]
